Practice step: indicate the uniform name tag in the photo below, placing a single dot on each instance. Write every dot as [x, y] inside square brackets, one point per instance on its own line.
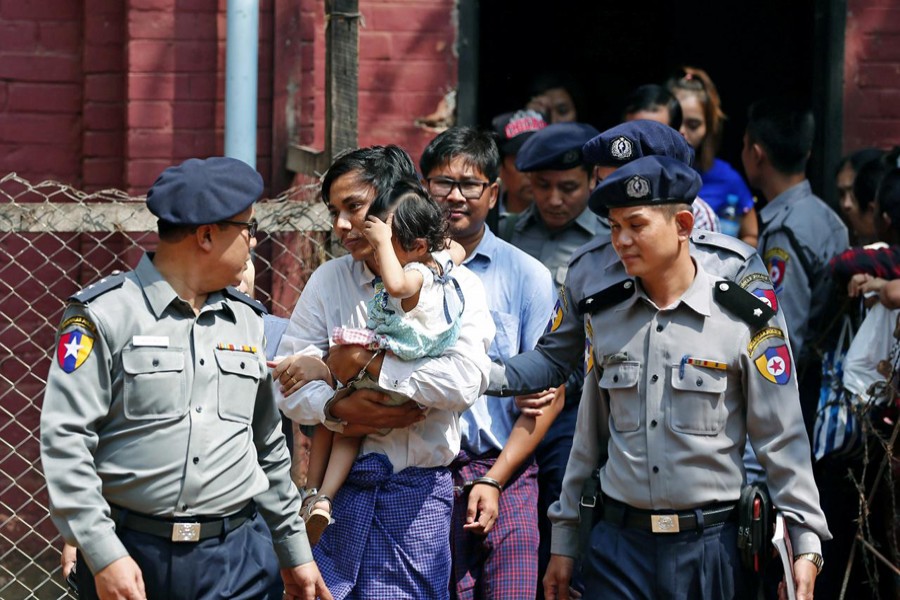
[158, 341]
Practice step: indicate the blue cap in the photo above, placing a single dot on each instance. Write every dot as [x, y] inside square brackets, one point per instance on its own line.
[633, 139]
[198, 192]
[556, 147]
[651, 180]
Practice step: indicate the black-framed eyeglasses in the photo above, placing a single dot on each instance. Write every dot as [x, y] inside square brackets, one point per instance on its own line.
[442, 187]
[252, 225]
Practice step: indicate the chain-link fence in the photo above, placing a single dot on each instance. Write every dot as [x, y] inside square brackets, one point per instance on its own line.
[54, 240]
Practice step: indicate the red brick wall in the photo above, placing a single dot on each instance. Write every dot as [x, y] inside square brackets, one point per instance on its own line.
[41, 89]
[872, 74]
[407, 64]
[175, 88]
[103, 59]
[104, 94]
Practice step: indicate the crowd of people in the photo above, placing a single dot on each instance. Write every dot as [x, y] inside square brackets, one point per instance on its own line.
[548, 365]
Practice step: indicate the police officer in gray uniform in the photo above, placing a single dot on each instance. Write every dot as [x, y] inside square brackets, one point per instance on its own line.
[800, 233]
[799, 236]
[594, 269]
[684, 366]
[160, 438]
[558, 222]
[550, 230]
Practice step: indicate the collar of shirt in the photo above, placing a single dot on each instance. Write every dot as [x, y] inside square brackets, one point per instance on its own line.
[160, 294]
[485, 250]
[697, 297]
[783, 202]
[587, 221]
[362, 274]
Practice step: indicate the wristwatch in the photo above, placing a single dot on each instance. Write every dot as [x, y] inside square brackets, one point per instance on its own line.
[814, 558]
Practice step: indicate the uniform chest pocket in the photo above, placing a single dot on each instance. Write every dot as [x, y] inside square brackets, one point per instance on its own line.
[155, 386]
[620, 380]
[239, 374]
[698, 404]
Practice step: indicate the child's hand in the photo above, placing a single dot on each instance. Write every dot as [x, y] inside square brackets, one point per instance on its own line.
[377, 231]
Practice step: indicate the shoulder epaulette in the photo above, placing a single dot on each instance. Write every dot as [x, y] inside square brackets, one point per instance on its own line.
[236, 294]
[720, 240]
[614, 294]
[599, 241]
[99, 287]
[743, 304]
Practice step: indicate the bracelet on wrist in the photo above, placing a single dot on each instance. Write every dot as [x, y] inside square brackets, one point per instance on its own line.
[814, 558]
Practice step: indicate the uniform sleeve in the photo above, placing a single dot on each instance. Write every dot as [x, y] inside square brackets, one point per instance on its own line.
[75, 404]
[279, 505]
[791, 284]
[558, 352]
[778, 436]
[307, 333]
[454, 380]
[591, 430]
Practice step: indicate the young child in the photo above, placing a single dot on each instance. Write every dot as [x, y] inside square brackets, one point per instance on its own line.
[414, 313]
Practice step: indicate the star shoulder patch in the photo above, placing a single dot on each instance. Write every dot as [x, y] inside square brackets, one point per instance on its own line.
[76, 341]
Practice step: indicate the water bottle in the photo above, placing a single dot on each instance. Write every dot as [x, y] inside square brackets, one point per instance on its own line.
[729, 219]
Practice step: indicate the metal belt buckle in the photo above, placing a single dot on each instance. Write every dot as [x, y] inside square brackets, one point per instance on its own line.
[186, 532]
[664, 524]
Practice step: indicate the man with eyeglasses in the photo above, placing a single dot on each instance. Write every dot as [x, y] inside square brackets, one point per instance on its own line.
[160, 437]
[494, 533]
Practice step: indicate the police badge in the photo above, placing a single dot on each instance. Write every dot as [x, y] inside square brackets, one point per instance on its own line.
[571, 157]
[621, 148]
[637, 187]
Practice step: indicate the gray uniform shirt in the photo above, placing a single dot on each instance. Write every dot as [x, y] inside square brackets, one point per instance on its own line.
[595, 267]
[162, 412]
[675, 392]
[800, 234]
[554, 247]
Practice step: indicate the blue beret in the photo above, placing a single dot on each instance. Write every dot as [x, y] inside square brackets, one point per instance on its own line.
[633, 139]
[198, 192]
[556, 147]
[651, 180]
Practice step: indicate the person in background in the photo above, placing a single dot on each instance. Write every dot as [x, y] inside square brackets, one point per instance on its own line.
[495, 522]
[655, 103]
[511, 131]
[723, 187]
[875, 266]
[559, 96]
[158, 387]
[859, 216]
[800, 233]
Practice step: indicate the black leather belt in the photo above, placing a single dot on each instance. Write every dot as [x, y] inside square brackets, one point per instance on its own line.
[182, 529]
[667, 522]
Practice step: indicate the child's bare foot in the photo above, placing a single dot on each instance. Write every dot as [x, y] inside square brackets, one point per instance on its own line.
[316, 512]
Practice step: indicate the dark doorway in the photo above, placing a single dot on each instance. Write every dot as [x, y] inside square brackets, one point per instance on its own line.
[750, 49]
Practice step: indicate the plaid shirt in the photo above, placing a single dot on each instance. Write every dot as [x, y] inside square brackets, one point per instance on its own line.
[881, 262]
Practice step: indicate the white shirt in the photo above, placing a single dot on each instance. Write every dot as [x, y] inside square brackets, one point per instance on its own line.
[336, 295]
